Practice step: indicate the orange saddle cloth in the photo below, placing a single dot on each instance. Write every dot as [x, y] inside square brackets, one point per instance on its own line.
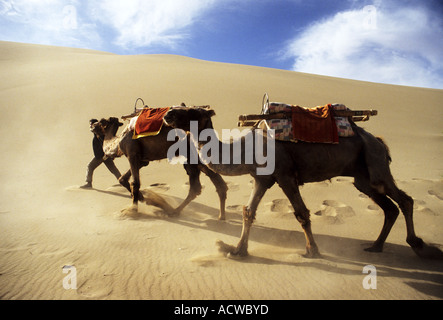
[149, 122]
[314, 124]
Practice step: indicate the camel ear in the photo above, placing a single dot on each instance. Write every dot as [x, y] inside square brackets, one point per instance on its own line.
[115, 120]
[103, 123]
[211, 113]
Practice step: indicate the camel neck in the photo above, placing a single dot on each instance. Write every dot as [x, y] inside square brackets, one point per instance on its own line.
[111, 144]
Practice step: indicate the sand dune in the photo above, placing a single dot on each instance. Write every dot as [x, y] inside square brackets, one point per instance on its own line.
[47, 96]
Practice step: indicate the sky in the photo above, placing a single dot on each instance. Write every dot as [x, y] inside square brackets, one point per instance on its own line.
[387, 41]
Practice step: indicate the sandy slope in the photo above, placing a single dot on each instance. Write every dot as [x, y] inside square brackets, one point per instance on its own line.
[47, 96]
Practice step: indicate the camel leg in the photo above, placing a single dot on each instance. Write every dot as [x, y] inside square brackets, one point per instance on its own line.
[290, 188]
[406, 204]
[134, 163]
[220, 186]
[194, 186]
[391, 213]
[124, 180]
[389, 208]
[134, 186]
[260, 187]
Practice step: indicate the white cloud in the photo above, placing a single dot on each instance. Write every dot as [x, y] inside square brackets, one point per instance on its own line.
[141, 23]
[55, 22]
[401, 46]
[133, 23]
[45, 14]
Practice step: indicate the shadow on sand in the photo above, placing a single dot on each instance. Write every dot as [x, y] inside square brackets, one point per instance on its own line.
[342, 255]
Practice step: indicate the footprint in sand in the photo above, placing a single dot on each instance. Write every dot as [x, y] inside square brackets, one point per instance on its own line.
[420, 207]
[418, 203]
[345, 180]
[159, 187]
[334, 212]
[186, 185]
[373, 207]
[436, 193]
[232, 186]
[425, 210]
[235, 207]
[279, 205]
[323, 184]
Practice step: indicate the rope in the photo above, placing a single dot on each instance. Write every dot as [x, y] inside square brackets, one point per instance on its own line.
[135, 106]
[265, 103]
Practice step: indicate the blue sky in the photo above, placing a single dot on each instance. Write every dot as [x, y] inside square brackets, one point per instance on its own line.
[388, 41]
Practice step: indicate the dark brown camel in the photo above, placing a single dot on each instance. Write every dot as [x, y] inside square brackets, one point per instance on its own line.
[143, 150]
[363, 156]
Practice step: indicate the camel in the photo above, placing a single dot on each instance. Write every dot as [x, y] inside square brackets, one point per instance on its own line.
[363, 157]
[143, 150]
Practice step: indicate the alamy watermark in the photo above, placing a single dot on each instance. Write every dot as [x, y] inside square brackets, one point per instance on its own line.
[250, 149]
[70, 21]
[370, 281]
[370, 17]
[70, 280]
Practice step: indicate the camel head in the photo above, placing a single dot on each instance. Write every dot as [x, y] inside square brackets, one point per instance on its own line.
[105, 126]
[181, 117]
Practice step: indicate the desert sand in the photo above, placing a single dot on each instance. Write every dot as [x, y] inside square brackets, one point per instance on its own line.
[48, 94]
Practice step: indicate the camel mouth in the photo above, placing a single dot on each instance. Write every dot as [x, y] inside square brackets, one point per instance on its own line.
[93, 127]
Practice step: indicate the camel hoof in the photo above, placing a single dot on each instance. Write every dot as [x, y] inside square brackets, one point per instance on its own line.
[230, 251]
[312, 254]
[222, 217]
[87, 186]
[234, 256]
[173, 213]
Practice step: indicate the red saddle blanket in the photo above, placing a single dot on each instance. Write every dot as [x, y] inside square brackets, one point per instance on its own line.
[314, 124]
[149, 122]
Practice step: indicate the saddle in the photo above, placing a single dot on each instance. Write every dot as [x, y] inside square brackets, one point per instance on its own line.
[149, 122]
[314, 124]
[317, 125]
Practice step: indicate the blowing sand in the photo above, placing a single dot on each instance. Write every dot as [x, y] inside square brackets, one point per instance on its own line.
[48, 94]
